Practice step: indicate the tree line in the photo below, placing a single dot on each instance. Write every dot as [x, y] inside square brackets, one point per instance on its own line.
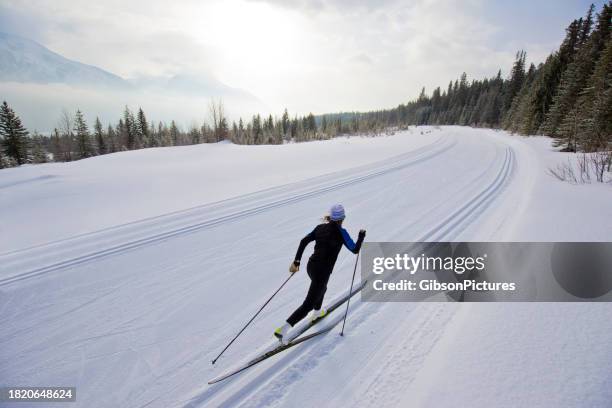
[567, 97]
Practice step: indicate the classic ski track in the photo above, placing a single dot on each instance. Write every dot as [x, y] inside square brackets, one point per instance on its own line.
[446, 229]
[247, 198]
[405, 160]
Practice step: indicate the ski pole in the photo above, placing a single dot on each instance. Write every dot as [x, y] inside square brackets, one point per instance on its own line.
[253, 318]
[350, 293]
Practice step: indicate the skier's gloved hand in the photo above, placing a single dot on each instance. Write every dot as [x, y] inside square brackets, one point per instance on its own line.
[295, 266]
[362, 234]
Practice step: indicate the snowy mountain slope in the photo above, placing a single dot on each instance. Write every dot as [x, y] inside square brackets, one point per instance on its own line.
[39, 83]
[139, 326]
[24, 60]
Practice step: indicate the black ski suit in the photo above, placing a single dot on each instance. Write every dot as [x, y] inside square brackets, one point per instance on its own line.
[329, 238]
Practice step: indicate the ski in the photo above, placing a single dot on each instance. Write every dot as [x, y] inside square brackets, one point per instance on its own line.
[294, 338]
[270, 354]
[298, 331]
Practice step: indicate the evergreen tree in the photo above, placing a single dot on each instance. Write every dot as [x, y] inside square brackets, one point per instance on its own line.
[520, 105]
[257, 130]
[565, 114]
[99, 136]
[39, 154]
[195, 135]
[13, 135]
[142, 129]
[164, 134]
[129, 128]
[285, 123]
[83, 139]
[154, 137]
[174, 134]
[121, 136]
[310, 126]
[223, 131]
[241, 133]
[111, 137]
[493, 102]
[594, 126]
[586, 26]
[539, 98]
[515, 83]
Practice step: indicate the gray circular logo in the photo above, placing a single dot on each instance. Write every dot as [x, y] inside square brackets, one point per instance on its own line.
[583, 269]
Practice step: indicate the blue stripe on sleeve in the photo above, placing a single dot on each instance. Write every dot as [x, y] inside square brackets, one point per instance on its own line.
[348, 241]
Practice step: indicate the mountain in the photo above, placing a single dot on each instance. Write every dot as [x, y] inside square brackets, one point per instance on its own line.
[24, 60]
[191, 85]
[40, 83]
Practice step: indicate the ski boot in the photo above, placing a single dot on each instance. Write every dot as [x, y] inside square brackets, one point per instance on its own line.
[317, 314]
[281, 332]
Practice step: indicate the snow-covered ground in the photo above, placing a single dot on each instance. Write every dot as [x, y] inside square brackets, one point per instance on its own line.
[65, 199]
[132, 312]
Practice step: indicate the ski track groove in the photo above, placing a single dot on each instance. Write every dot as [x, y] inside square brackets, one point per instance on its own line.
[232, 200]
[272, 377]
[422, 154]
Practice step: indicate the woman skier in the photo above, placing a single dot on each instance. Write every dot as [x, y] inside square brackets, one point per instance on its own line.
[329, 238]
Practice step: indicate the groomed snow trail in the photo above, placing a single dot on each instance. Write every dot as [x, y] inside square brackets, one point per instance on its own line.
[133, 315]
[385, 356]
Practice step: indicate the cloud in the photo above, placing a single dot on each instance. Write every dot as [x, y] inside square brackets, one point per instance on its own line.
[361, 59]
[127, 38]
[319, 56]
[325, 5]
[20, 23]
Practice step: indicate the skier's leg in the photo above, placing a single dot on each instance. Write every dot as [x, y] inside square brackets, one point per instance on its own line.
[317, 288]
[318, 312]
[319, 302]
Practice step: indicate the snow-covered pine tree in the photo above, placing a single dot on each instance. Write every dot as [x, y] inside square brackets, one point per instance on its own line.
[223, 130]
[14, 137]
[129, 129]
[594, 126]
[99, 136]
[520, 104]
[154, 137]
[514, 84]
[174, 134]
[566, 114]
[195, 137]
[111, 139]
[285, 123]
[241, 137]
[83, 139]
[142, 130]
[257, 130]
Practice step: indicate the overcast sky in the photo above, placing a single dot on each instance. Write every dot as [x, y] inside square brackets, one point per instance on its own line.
[319, 56]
